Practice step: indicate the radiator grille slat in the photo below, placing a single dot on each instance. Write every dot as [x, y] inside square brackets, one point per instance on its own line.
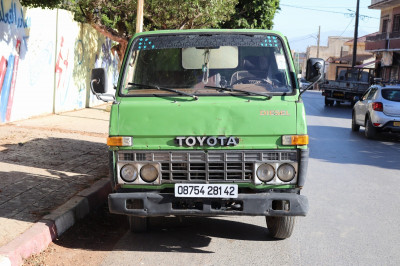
[207, 166]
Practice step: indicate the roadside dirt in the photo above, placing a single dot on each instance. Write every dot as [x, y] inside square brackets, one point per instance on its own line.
[86, 243]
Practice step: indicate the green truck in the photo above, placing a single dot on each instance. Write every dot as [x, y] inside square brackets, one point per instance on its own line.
[208, 123]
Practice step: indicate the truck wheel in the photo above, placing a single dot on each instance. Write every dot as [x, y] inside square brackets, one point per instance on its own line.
[111, 170]
[327, 102]
[370, 130]
[137, 224]
[354, 126]
[280, 227]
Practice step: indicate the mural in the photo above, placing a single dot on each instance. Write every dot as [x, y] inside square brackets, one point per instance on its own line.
[40, 74]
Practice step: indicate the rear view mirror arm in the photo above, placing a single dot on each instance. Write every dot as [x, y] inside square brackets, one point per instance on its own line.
[100, 96]
[312, 84]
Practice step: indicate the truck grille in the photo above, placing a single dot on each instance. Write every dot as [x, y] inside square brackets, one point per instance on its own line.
[209, 166]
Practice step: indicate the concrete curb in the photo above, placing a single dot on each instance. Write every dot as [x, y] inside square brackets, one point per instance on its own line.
[41, 234]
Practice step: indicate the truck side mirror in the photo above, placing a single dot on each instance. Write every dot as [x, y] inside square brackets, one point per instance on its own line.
[98, 80]
[98, 85]
[315, 69]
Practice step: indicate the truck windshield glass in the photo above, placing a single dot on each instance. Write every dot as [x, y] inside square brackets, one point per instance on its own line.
[195, 63]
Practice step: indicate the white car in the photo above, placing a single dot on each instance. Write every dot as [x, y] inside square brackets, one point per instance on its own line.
[378, 110]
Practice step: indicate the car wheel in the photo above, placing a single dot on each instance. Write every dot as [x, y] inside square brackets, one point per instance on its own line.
[280, 227]
[137, 224]
[370, 130]
[354, 126]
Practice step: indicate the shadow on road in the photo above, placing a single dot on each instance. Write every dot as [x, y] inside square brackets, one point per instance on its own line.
[41, 174]
[100, 229]
[341, 145]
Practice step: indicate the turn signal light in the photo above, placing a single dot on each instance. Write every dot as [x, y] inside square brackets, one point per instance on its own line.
[295, 140]
[119, 141]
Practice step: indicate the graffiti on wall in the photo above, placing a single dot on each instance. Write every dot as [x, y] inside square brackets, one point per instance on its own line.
[49, 75]
[14, 20]
[12, 16]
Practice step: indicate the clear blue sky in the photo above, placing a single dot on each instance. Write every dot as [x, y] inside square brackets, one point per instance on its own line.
[299, 20]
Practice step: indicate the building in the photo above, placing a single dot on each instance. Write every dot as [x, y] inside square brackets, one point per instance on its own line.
[386, 44]
[364, 58]
[300, 60]
[334, 49]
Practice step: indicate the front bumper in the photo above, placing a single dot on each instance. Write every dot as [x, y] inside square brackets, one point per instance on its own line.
[163, 204]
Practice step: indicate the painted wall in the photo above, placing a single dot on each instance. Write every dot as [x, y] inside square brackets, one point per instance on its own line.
[45, 61]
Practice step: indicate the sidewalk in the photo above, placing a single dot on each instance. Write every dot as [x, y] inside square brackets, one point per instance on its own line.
[51, 168]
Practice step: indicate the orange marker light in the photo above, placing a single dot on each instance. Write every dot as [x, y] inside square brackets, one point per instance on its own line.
[295, 140]
[119, 141]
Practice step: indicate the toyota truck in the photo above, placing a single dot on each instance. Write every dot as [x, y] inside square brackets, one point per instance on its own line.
[208, 123]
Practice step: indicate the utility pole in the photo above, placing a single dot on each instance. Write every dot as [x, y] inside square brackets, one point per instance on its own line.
[355, 36]
[139, 16]
[319, 39]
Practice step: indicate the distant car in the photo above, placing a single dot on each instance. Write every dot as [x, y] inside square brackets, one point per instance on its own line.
[303, 83]
[378, 110]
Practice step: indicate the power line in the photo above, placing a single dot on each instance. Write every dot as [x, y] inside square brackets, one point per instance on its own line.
[347, 27]
[334, 12]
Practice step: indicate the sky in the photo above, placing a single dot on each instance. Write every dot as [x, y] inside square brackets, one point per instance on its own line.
[299, 20]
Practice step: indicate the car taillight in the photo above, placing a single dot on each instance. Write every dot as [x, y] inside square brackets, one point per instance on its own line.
[377, 106]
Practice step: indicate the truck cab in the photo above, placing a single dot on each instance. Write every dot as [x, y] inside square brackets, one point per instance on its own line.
[207, 123]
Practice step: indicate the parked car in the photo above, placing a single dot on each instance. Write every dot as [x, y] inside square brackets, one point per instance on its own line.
[378, 110]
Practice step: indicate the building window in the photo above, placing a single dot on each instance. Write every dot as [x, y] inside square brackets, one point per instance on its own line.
[384, 25]
[396, 23]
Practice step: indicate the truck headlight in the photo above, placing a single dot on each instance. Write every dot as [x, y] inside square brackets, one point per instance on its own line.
[286, 172]
[149, 173]
[129, 173]
[265, 172]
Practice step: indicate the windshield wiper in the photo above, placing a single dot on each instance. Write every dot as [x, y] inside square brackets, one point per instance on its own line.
[237, 90]
[163, 89]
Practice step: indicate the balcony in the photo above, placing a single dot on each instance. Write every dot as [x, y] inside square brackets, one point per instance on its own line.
[380, 4]
[378, 42]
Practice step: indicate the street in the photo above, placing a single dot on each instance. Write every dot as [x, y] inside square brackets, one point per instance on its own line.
[352, 187]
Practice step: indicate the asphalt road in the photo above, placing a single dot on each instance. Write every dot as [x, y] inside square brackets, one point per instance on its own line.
[353, 191]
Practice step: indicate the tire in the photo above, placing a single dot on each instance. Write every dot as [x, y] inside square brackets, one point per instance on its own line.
[370, 130]
[138, 224]
[354, 126]
[326, 102]
[111, 171]
[338, 103]
[280, 227]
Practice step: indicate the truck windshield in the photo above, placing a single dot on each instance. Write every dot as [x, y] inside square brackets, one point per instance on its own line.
[197, 64]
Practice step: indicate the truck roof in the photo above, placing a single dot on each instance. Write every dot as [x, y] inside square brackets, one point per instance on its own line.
[216, 31]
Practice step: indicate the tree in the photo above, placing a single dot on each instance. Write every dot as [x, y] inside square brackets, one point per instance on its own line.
[253, 14]
[116, 19]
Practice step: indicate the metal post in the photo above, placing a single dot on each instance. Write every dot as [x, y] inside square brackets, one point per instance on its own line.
[319, 39]
[139, 17]
[354, 62]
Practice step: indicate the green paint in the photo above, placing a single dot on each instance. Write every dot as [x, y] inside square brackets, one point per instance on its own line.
[155, 121]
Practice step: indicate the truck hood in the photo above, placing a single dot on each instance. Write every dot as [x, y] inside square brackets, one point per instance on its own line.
[154, 123]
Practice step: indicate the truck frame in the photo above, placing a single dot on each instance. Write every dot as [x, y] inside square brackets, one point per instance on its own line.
[349, 83]
[207, 123]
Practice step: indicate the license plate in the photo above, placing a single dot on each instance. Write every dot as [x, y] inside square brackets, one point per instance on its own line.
[206, 191]
[338, 94]
[396, 124]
